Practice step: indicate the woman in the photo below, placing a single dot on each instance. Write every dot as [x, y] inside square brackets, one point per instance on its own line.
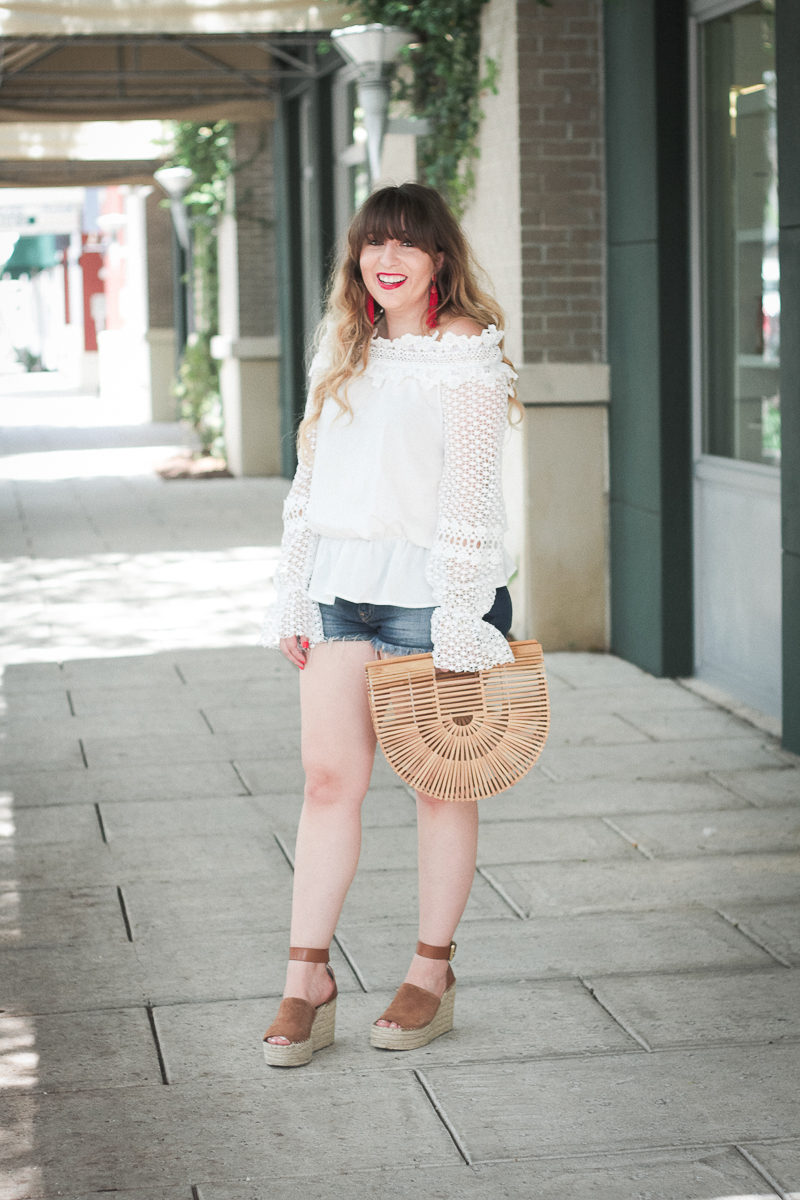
[392, 545]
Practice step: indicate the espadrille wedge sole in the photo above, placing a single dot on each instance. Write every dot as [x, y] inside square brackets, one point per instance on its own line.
[305, 1027]
[385, 1038]
[321, 1034]
[420, 1014]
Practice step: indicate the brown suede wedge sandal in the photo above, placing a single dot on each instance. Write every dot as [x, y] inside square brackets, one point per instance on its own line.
[307, 1028]
[421, 1015]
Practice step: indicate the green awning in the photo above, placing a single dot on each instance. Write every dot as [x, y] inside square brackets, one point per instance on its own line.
[32, 254]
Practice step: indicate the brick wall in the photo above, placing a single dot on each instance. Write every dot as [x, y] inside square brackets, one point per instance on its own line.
[255, 213]
[561, 180]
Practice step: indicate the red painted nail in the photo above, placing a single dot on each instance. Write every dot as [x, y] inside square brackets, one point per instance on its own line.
[304, 645]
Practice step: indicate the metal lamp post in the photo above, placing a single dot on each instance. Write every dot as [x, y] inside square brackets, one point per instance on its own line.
[176, 182]
[372, 50]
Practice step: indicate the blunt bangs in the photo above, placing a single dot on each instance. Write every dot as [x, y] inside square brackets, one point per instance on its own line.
[398, 215]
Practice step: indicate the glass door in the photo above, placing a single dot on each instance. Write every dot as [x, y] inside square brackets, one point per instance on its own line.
[737, 349]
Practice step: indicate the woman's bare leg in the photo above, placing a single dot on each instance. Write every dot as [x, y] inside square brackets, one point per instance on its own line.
[338, 749]
[447, 849]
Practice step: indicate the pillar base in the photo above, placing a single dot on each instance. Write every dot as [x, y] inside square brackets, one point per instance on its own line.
[566, 464]
[250, 385]
[161, 370]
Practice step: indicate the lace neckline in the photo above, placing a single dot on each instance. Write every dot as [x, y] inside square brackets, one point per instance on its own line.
[490, 336]
[459, 350]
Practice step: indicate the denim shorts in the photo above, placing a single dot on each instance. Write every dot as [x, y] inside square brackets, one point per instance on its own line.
[393, 629]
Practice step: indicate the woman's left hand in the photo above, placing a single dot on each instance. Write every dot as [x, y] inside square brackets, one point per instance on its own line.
[295, 649]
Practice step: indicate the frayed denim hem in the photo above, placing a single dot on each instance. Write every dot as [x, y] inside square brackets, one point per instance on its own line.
[347, 637]
[382, 647]
[399, 651]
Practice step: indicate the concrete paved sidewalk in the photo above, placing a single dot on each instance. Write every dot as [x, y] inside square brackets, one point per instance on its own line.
[628, 1023]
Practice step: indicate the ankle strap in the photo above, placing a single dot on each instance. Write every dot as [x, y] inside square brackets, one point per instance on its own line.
[303, 954]
[426, 951]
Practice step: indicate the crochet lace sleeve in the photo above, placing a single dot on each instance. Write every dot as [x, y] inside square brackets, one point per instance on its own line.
[293, 613]
[467, 555]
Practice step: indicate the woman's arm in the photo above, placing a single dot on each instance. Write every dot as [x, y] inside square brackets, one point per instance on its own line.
[467, 556]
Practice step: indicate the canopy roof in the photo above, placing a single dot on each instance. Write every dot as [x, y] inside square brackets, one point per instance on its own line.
[168, 75]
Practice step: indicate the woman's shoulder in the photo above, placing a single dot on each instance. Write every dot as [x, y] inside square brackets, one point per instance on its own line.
[462, 327]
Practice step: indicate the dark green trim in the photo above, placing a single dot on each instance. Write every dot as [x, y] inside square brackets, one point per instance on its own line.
[290, 296]
[674, 278]
[180, 316]
[787, 21]
[305, 232]
[646, 64]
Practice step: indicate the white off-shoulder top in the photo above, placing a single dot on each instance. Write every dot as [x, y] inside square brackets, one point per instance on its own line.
[402, 500]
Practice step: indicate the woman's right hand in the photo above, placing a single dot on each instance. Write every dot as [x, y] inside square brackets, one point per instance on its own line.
[295, 649]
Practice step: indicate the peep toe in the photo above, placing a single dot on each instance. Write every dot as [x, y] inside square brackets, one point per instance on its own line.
[305, 1027]
[421, 1015]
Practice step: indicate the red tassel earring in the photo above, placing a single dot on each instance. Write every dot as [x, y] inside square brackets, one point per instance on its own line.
[433, 304]
[371, 308]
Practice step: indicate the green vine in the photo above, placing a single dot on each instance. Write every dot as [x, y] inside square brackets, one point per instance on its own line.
[444, 85]
[205, 149]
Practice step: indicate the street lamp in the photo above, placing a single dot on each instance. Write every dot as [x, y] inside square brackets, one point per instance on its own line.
[176, 182]
[372, 50]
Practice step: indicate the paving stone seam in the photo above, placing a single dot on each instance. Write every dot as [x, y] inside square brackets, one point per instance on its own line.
[627, 720]
[248, 791]
[762, 1171]
[714, 777]
[548, 773]
[637, 845]
[475, 1061]
[620, 1021]
[350, 959]
[748, 933]
[178, 1001]
[498, 888]
[715, 773]
[664, 857]
[545, 983]
[162, 1063]
[630, 1054]
[626, 1152]
[343, 1071]
[101, 823]
[207, 720]
[476, 984]
[441, 1113]
[284, 849]
[126, 920]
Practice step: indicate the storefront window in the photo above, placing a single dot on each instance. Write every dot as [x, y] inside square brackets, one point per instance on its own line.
[741, 274]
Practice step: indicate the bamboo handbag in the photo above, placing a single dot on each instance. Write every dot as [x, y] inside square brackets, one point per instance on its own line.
[460, 736]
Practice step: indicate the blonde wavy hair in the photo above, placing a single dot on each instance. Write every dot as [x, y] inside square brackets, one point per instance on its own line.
[410, 212]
